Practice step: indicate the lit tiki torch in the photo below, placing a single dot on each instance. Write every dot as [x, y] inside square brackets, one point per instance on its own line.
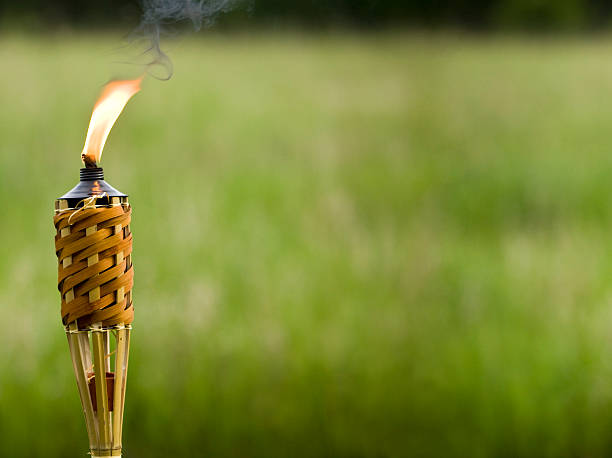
[95, 277]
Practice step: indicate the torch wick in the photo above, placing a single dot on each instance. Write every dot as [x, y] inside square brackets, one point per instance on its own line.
[88, 161]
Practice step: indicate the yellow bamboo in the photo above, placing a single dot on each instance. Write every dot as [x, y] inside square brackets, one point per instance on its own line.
[119, 358]
[97, 337]
[100, 347]
[85, 349]
[77, 353]
[128, 263]
[118, 389]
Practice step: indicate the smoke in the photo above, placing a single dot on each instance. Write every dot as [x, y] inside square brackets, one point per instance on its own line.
[161, 17]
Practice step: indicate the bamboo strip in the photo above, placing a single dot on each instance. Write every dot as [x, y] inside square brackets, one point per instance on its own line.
[120, 368]
[128, 263]
[128, 259]
[119, 358]
[119, 256]
[126, 334]
[85, 349]
[94, 294]
[82, 384]
[77, 354]
[107, 351]
[100, 346]
[97, 336]
[125, 370]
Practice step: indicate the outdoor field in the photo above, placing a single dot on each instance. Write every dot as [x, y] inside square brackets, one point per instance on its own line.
[385, 245]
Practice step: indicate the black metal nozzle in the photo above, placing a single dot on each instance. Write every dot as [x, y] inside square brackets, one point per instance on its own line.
[91, 184]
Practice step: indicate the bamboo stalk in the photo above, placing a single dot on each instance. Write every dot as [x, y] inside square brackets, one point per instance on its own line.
[119, 358]
[120, 369]
[74, 343]
[107, 351]
[97, 337]
[85, 349]
[99, 359]
[82, 383]
[128, 264]
[127, 353]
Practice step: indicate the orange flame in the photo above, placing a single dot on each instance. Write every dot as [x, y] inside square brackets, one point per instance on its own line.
[107, 109]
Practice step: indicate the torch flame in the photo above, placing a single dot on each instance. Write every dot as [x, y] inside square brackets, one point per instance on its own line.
[107, 109]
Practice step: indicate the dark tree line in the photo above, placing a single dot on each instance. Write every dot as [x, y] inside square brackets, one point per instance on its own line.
[471, 14]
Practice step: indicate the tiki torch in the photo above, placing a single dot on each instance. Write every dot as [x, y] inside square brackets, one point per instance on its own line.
[93, 244]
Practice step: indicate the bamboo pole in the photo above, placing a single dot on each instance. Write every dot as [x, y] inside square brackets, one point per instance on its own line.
[120, 368]
[128, 264]
[76, 352]
[99, 359]
[73, 342]
[120, 357]
[85, 349]
[97, 336]
[127, 354]
[107, 351]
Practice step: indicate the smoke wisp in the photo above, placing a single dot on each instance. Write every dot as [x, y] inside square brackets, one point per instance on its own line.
[161, 17]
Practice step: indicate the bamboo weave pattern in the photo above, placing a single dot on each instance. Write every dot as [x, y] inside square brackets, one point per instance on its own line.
[107, 274]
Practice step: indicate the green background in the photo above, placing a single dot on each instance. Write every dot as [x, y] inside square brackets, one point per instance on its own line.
[379, 245]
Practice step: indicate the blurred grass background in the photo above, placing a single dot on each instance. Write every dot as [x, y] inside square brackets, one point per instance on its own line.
[345, 245]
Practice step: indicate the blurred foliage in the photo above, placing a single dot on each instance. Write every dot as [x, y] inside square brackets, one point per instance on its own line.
[475, 14]
[347, 246]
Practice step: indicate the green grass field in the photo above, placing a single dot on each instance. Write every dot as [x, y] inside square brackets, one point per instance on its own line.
[345, 246]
